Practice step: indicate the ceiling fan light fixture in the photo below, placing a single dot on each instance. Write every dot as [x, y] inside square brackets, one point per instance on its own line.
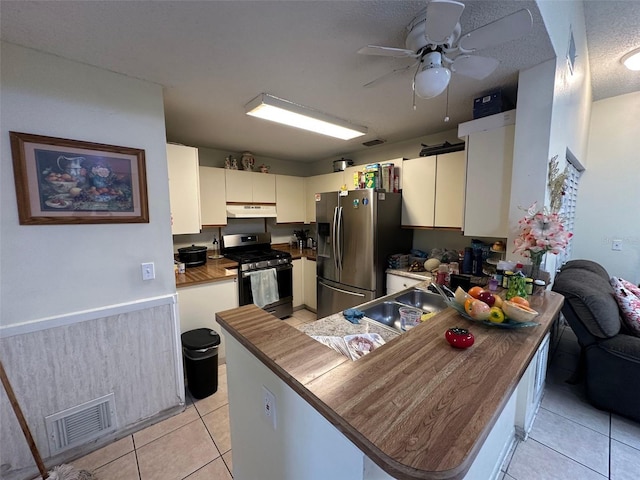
[632, 60]
[432, 81]
[288, 113]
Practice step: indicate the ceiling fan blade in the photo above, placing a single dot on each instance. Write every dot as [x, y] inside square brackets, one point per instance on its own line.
[387, 51]
[502, 30]
[388, 74]
[474, 66]
[441, 19]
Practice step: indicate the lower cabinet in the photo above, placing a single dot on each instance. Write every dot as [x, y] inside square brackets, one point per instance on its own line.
[310, 293]
[395, 283]
[298, 282]
[530, 390]
[198, 305]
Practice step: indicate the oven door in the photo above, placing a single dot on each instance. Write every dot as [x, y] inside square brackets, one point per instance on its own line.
[281, 308]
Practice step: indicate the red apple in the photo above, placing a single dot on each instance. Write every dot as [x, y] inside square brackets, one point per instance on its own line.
[487, 297]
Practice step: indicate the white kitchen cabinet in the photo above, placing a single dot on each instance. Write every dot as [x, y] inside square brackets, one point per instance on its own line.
[198, 305]
[310, 284]
[184, 189]
[488, 182]
[329, 182]
[433, 191]
[213, 209]
[450, 182]
[298, 282]
[418, 192]
[530, 390]
[395, 283]
[289, 195]
[250, 187]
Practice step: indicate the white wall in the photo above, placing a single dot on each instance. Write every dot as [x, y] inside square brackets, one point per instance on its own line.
[609, 193]
[76, 320]
[53, 270]
[552, 114]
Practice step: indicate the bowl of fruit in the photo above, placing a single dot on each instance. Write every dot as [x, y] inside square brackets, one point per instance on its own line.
[479, 305]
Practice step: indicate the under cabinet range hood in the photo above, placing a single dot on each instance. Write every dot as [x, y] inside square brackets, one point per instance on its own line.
[251, 211]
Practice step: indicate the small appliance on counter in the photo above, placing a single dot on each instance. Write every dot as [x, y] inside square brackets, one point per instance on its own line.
[193, 256]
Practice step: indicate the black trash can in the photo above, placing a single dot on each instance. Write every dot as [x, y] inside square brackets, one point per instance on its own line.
[200, 350]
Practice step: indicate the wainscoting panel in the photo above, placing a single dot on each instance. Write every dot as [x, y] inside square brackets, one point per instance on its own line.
[135, 355]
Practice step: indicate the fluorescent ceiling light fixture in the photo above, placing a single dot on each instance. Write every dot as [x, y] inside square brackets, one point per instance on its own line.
[283, 111]
[632, 60]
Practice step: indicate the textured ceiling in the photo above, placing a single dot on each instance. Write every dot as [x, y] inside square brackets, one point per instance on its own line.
[613, 29]
[213, 57]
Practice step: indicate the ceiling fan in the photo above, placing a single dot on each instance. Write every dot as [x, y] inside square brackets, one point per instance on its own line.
[435, 40]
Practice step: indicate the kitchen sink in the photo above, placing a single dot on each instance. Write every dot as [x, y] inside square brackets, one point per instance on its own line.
[387, 313]
[429, 302]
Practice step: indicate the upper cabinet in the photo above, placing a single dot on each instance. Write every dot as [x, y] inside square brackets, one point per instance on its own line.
[213, 210]
[184, 189]
[329, 182]
[488, 185]
[250, 187]
[433, 191]
[289, 195]
[450, 181]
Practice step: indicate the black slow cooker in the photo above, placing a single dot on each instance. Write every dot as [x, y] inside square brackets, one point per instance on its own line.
[193, 256]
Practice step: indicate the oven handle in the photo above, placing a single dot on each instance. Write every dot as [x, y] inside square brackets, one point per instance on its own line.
[279, 268]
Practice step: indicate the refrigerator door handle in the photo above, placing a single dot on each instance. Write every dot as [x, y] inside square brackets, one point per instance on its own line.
[341, 291]
[339, 238]
[333, 239]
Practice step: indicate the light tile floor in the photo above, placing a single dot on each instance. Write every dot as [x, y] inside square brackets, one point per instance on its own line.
[570, 439]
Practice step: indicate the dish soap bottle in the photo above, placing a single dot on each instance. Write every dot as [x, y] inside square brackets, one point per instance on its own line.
[216, 248]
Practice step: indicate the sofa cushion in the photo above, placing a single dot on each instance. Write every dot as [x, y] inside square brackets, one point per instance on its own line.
[631, 287]
[587, 265]
[592, 298]
[629, 305]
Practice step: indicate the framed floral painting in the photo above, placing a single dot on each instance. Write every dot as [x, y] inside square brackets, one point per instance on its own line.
[61, 181]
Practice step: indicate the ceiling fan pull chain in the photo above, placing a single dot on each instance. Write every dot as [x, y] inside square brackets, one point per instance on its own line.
[446, 113]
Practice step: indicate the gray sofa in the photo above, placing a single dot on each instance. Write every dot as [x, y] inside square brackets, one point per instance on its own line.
[611, 354]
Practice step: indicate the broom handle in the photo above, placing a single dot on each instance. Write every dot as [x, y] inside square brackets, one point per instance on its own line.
[23, 424]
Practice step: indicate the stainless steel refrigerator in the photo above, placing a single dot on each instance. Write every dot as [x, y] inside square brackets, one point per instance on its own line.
[357, 230]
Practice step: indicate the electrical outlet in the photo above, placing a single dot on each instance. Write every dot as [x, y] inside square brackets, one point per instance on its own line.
[269, 407]
[148, 271]
[616, 245]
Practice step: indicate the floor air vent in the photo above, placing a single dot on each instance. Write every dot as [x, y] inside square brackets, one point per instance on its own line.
[81, 424]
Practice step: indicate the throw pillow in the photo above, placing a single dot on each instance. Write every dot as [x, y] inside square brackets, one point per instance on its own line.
[629, 305]
[631, 287]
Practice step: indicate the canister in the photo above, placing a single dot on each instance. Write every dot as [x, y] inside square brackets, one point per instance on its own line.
[528, 285]
[505, 279]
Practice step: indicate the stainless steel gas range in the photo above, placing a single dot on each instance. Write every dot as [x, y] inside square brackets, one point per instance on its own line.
[253, 253]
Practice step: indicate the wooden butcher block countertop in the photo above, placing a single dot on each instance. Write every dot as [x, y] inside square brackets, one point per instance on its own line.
[219, 269]
[417, 407]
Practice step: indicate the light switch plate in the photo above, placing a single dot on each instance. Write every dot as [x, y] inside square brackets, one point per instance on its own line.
[148, 271]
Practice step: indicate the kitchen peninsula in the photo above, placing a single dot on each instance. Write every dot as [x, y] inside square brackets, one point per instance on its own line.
[414, 408]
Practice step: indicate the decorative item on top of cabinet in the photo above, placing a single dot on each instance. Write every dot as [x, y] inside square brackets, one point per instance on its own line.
[248, 161]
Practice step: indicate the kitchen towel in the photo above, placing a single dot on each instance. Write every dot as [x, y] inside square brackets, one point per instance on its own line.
[264, 286]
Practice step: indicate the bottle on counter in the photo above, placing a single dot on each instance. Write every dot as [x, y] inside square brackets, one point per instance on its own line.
[216, 247]
[467, 261]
